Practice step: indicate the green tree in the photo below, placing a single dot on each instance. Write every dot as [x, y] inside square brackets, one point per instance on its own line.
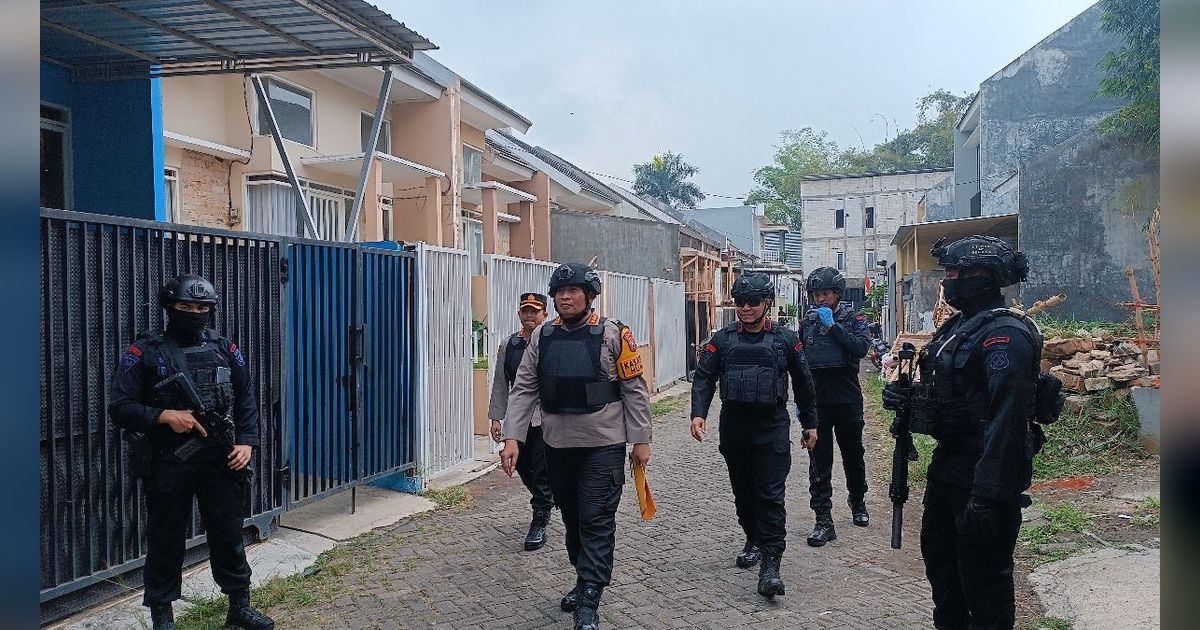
[665, 177]
[801, 153]
[1132, 72]
[805, 152]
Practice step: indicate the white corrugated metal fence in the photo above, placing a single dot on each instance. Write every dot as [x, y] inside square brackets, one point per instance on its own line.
[670, 346]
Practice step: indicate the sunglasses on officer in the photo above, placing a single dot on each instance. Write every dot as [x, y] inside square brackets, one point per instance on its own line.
[751, 302]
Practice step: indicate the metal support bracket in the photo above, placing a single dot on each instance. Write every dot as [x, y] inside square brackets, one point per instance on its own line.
[369, 153]
[265, 102]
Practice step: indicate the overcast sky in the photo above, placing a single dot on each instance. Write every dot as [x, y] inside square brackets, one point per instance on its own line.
[611, 83]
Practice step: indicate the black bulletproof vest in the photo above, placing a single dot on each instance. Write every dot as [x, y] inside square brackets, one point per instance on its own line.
[754, 373]
[209, 372]
[948, 402]
[820, 349]
[512, 357]
[571, 379]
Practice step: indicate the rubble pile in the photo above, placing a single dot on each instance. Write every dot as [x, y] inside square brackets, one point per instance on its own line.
[1098, 362]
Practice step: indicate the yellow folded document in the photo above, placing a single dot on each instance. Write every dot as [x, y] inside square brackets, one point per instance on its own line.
[645, 497]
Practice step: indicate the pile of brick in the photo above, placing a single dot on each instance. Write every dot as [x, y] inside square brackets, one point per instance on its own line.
[1099, 362]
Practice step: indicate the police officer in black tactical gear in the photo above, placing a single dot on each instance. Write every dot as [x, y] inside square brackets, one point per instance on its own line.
[976, 396]
[531, 310]
[752, 358]
[585, 372]
[185, 452]
[835, 340]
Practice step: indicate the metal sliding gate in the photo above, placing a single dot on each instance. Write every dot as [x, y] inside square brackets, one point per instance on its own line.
[507, 279]
[670, 347]
[99, 282]
[446, 433]
[330, 335]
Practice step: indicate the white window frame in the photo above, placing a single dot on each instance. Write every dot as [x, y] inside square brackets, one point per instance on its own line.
[312, 110]
[474, 253]
[870, 259]
[874, 219]
[385, 133]
[464, 171]
[387, 213]
[840, 257]
[68, 159]
[171, 187]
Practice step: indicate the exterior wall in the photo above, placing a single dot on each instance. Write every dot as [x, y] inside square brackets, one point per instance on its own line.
[894, 198]
[504, 239]
[1041, 99]
[105, 115]
[211, 108]
[939, 201]
[633, 246]
[203, 192]
[739, 223]
[1082, 205]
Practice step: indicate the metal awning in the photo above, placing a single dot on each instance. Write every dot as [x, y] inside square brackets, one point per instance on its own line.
[120, 39]
[473, 193]
[394, 170]
[958, 228]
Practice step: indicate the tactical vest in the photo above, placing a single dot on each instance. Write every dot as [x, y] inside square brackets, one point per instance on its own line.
[571, 379]
[208, 370]
[820, 348]
[754, 373]
[513, 355]
[948, 403]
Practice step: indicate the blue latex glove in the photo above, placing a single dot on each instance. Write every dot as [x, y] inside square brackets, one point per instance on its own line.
[826, 315]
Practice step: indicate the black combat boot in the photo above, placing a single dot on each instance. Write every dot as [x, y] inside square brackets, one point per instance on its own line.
[587, 616]
[570, 600]
[823, 532]
[162, 617]
[858, 508]
[243, 615]
[537, 530]
[749, 555]
[769, 582]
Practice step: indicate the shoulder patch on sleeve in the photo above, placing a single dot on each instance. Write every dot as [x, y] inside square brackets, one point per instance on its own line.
[998, 360]
[799, 347]
[237, 354]
[710, 347]
[131, 357]
[996, 340]
[629, 360]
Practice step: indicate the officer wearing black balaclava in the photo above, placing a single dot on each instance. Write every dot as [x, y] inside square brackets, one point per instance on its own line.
[976, 396]
[752, 359]
[185, 460]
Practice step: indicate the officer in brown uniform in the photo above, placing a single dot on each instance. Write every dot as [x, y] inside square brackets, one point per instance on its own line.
[532, 465]
[585, 373]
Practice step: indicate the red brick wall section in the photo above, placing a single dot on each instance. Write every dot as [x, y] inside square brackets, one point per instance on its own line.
[204, 192]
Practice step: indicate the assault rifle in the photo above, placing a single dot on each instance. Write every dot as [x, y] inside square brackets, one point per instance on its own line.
[219, 427]
[904, 450]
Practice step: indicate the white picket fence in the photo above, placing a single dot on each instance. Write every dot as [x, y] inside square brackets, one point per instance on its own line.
[507, 279]
[670, 331]
[444, 432]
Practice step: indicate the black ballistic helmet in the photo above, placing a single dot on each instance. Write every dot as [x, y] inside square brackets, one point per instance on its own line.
[575, 275]
[826, 278]
[754, 285]
[1007, 265]
[187, 288]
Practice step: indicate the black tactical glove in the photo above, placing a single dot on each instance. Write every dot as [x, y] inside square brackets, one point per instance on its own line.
[896, 396]
[981, 519]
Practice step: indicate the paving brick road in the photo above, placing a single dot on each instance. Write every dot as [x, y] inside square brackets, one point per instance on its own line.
[464, 568]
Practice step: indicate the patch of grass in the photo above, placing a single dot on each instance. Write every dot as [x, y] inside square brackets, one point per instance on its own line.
[480, 363]
[1054, 327]
[670, 404]
[872, 392]
[454, 496]
[1146, 520]
[1060, 536]
[1150, 503]
[1066, 517]
[1053, 623]
[1100, 439]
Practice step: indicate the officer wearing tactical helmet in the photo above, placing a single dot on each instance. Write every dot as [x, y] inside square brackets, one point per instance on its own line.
[835, 340]
[752, 358]
[976, 396]
[531, 310]
[218, 478]
[586, 372]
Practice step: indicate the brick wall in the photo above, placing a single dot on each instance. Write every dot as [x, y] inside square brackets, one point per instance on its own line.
[203, 190]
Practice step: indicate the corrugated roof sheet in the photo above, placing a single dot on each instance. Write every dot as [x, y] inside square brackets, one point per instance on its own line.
[943, 169]
[125, 38]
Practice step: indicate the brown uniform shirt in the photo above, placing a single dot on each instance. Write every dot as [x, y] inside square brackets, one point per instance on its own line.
[498, 403]
[625, 420]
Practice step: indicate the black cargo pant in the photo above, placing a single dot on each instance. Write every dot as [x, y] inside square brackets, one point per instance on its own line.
[531, 466]
[759, 463]
[845, 422]
[587, 484]
[221, 495]
[971, 576]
